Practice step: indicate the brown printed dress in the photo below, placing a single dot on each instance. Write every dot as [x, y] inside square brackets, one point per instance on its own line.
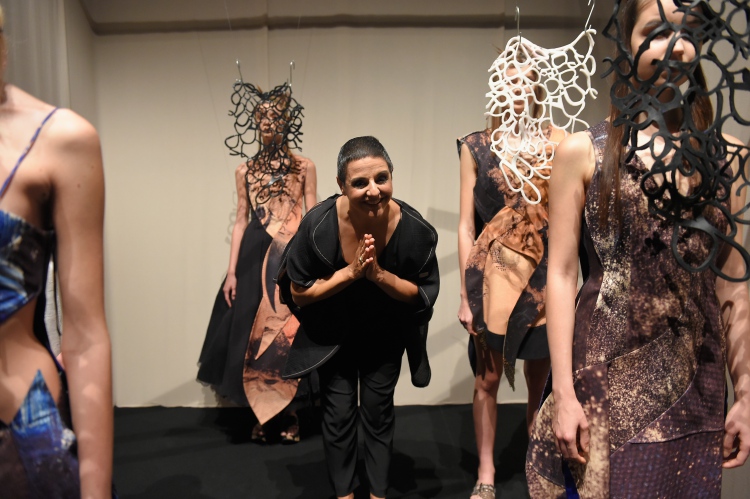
[648, 360]
[506, 221]
[247, 345]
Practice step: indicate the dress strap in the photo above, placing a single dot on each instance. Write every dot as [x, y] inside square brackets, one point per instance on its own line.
[25, 153]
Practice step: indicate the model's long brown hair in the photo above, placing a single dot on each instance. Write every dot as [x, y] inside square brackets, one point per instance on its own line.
[700, 109]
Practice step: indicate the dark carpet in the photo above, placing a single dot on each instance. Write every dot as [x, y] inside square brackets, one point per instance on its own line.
[207, 454]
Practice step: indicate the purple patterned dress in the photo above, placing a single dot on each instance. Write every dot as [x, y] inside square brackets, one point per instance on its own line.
[648, 359]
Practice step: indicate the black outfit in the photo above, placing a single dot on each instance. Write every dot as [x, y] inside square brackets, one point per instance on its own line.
[222, 358]
[358, 335]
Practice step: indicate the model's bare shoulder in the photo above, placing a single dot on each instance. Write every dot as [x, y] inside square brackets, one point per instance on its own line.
[71, 133]
[732, 140]
[304, 161]
[240, 171]
[575, 156]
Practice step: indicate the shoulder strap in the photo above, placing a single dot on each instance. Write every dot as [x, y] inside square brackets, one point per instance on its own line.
[25, 153]
[598, 136]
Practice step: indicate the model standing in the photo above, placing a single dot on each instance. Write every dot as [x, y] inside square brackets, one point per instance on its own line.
[250, 331]
[52, 203]
[638, 360]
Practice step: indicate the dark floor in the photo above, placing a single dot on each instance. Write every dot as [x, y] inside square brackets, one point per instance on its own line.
[207, 454]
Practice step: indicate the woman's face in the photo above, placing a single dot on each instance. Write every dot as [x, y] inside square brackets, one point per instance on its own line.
[270, 123]
[368, 185]
[520, 88]
[654, 35]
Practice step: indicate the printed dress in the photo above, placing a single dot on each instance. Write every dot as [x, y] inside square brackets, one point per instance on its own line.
[246, 346]
[648, 359]
[507, 222]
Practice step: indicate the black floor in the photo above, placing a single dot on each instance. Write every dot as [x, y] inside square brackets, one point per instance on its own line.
[207, 454]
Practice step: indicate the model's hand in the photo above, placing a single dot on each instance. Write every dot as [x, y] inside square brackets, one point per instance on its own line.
[571, 429]
[737, 434]
[363, 257]
[465, 317]
[230, 289]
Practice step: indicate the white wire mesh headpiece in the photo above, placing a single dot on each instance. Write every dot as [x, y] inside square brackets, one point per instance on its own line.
[561, 98]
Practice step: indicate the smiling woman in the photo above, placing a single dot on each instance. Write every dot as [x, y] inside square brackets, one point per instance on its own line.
[362, 276]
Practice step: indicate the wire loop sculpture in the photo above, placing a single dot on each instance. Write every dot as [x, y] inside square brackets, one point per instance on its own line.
[272, 122]
[554, 85]
[698, 154]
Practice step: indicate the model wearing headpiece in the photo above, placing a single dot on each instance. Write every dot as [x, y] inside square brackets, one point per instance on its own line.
[250, 331]
[503, 224]
[638, 361]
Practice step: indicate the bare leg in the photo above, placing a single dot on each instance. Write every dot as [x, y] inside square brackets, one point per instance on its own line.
[350, 496]
[486, 384]
[536, 372]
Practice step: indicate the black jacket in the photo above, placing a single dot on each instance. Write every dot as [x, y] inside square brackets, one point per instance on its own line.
[312, 253]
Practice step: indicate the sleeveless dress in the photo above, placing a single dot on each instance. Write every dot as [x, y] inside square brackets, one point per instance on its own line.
[648, 359]
[246, 346]
[504, 218]
[38, 448]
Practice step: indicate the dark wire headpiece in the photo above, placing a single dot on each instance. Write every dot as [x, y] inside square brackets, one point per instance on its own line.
[257, 113]
[699, 153]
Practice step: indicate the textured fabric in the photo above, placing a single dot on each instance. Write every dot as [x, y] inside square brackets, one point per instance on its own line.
[24, 250]
[505, 221]
[246, 346]
[648, 359]
[315, 253]
[24, 253]
[37, 451]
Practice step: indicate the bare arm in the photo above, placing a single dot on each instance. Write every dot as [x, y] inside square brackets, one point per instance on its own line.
[735, 306]
[78, 215]
[311, 186]
[240, 224]
[466, 230]
[574, 162]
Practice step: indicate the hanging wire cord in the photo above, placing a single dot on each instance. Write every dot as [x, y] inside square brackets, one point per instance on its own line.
[277, 116]
[697, 153]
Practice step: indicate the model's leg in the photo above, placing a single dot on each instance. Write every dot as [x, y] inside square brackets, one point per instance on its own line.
[338, 386]
[378, 378]
[506, 274]
[486, 383]
[536, 372]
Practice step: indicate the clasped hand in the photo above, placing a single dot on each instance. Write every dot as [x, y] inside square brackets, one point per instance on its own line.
[365, 262]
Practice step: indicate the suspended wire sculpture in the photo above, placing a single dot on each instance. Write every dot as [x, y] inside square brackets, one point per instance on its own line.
[697, 155]
[272, 122]
[553, 85]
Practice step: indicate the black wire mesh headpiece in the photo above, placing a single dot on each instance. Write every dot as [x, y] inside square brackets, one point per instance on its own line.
[257, 113]
[699, 153]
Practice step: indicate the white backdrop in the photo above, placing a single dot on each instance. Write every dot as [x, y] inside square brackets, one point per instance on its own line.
[160, 103]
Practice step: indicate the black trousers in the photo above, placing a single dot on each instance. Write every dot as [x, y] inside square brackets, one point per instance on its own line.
[372, 360]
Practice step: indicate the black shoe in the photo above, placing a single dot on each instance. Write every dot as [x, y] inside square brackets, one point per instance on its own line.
[416, 353]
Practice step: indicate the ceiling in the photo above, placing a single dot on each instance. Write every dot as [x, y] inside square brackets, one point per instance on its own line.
[144, 16]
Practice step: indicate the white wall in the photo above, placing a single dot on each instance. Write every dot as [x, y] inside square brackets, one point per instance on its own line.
[163, 101]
